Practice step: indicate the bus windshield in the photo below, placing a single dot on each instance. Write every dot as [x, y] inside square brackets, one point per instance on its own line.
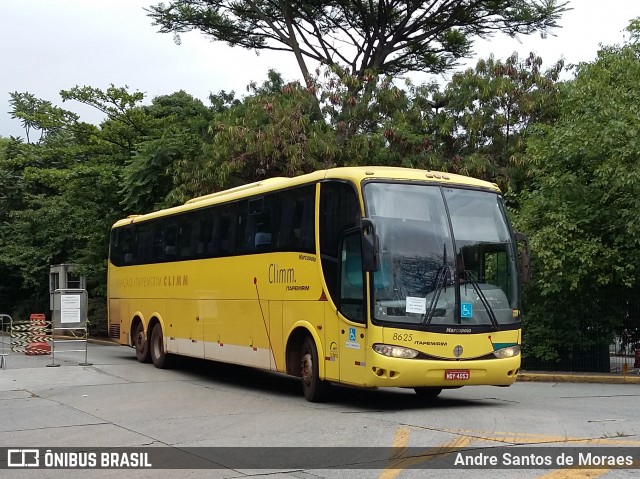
[447, 257]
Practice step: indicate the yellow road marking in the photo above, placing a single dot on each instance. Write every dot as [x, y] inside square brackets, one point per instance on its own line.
[401, 440]
[465, 437]
[527, 438]
[574, 474]
[400, 443]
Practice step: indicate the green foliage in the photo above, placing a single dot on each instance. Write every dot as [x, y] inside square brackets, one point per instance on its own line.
[177, 128]
[61, 196]
[60, 199]
[487, 111]
[387, 37]
[36, 114]
[582, 211]
[267, 134]
[475, 126]
[125, 122]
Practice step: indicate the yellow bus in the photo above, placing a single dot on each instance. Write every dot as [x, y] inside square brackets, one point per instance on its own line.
[365, 276]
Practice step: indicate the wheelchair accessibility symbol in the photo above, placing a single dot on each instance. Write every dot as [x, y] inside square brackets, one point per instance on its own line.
[466, 310]
[352, 334]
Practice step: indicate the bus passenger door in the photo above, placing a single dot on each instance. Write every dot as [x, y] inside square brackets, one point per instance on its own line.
[352, 312]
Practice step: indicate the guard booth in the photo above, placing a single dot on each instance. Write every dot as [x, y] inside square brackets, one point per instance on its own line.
[63, 276]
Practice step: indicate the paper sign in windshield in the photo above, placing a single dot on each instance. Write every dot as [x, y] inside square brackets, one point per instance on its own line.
[416, 305]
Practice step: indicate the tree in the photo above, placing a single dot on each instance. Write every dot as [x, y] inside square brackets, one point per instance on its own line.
[37, 114]
[270, 132]
[178, 132]
[487, 112]
[582, 211]
[61, 198]
[61, 194]
[125, 121]
[386, 37]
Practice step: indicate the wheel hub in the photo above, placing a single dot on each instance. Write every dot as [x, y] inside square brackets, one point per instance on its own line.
[307, 368]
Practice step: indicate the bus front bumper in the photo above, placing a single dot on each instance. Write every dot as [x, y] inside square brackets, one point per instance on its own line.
[394, 372]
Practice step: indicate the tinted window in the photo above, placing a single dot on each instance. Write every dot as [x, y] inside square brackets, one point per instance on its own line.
[282, 221]
[295, 230]
[339, 211]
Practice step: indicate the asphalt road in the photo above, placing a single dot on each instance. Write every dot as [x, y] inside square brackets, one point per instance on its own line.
[118, 402]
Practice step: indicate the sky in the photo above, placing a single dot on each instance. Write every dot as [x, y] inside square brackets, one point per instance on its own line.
[52, 45]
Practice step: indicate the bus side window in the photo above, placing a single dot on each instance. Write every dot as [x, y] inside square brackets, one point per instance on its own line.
[260, 230]
[129, 246]
[242, 243]
[158, 242]
[225, 231]
[184, 238]
[351, 300]
[339, 211]
[254, 225]
[204, 246]
[171, 242]
[145, 243]
[295, 220]
[115, 253]
[496, 270]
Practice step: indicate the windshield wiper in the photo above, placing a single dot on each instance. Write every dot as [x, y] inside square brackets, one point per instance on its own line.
[487, 307]
[441, 281]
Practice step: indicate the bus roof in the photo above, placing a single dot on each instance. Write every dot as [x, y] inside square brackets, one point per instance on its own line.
[355, 174]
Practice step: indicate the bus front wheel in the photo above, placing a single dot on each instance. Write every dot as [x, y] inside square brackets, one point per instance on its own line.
[158, 355]
[141, 344]
[315, 390]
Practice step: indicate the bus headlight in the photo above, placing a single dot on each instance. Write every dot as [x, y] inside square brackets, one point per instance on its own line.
[395, 351]
[509, 352]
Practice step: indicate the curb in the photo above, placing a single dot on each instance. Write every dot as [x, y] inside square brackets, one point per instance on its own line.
[580, 378]
[103, 342]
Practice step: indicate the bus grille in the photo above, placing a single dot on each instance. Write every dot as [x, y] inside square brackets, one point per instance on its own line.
[114, 331]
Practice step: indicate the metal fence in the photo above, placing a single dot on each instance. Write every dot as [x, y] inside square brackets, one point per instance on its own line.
[608, 330]
[6, 325]
[38, 337]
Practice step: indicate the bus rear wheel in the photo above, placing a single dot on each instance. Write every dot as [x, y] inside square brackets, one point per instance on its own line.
[141, 344]
[427, 393]
[315, 390]
[158, 355]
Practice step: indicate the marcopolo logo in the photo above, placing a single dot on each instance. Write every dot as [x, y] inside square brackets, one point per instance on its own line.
[23, 458]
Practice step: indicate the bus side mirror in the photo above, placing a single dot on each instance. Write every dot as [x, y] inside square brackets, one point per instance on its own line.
[370, 246]
[525, 257]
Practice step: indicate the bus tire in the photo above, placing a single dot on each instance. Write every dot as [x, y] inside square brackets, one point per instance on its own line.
[428, 393]
[159, 356]
[141, 344]
[314, 389]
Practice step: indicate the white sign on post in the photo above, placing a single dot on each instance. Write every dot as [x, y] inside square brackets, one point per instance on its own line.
[69, 308]
[70, 301]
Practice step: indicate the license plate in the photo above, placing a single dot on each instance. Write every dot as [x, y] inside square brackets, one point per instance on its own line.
[457, 374]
